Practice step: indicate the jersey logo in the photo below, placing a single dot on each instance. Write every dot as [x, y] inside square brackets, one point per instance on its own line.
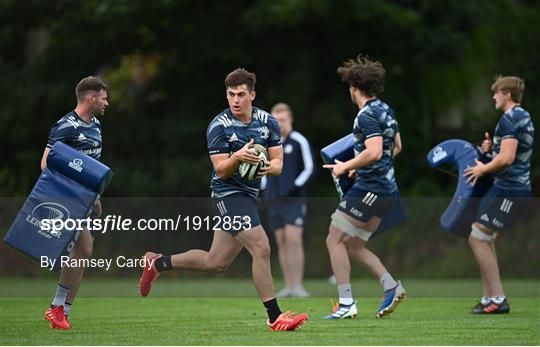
[288, 148]
[233, 138]
[81, 137]
[263, 132]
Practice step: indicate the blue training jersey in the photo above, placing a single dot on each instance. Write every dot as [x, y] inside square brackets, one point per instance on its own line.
[376, 119]
[227, 134]
[298, 167]
[75, 132]
[516, 124]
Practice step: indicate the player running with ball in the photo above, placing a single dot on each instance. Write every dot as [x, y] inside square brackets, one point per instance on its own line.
[231, 134]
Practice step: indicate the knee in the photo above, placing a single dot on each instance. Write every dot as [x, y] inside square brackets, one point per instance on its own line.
[218, 265]
[335, 235]
[280, 239]
[481, 235]
[354, 244]
[83, 251]
[294, 238]
[262, 250]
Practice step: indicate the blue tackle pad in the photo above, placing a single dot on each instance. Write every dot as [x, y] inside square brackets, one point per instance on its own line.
[461, 212]
[343, 150]
[67, 188]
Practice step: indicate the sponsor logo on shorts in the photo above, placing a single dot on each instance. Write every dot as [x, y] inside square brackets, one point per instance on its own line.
[299, 221]
[497, 223]
[356, 212]
[484, 217]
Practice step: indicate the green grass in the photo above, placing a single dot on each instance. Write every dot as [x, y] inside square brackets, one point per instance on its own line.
[108, 314]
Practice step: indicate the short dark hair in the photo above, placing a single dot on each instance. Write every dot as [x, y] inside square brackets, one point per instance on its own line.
[364, 74]
[241, 76]
[89, 84]
[509, 84]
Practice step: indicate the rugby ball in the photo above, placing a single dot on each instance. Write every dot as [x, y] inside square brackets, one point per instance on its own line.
[249, 171]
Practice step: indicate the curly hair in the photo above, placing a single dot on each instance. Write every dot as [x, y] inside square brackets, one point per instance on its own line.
[363, 74]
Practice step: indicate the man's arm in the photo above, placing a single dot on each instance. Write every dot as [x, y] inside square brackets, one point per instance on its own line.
[275, 165]
[397, 145]
[501, 161]
[226, 164]
[44, 158]
[371, 154]
[307, 159]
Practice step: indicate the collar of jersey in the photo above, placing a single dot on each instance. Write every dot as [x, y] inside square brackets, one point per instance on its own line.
[82, 120]
[233, 117]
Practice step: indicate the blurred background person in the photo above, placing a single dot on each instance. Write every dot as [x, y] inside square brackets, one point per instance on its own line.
[286, 202]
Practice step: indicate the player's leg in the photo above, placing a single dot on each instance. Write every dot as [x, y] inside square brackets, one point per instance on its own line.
[295, 258]
[223, 251]
[69, 283]
[341, 266]
[497, 211]
[72, 277]
[279, 234]
[486, 290]
[256, 242]
[481, 242]
[358, 251]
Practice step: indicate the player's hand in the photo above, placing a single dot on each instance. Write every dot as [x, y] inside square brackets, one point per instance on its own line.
[97, 207]
[246, 154]
[263, 171]
[487, 143]
[338, 169]
[352, 174]
[475, 172]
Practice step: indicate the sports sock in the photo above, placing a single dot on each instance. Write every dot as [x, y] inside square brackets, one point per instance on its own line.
[345, 294]
[163, 263]
[60, 295]
[67, 308]
[387, 282]
[498, 299]
[485, 300]
[272, 308]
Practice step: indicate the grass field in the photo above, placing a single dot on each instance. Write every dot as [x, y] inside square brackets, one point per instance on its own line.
[226, 312]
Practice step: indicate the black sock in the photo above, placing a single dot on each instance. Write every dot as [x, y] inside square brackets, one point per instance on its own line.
[272, 308]
[164, 263]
